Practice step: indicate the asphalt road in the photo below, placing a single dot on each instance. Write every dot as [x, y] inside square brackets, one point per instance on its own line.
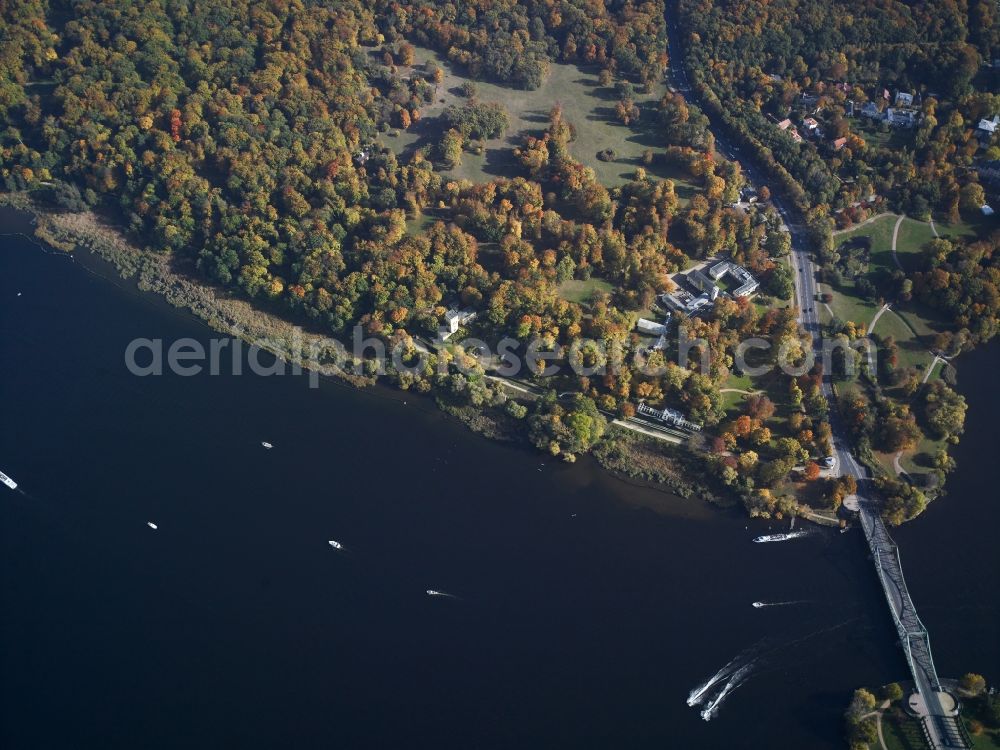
[808, 316]
[804, 270]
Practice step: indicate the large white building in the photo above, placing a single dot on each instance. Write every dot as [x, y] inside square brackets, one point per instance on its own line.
[650, 327]
[704, 284]
[747, 283]
[686, 302]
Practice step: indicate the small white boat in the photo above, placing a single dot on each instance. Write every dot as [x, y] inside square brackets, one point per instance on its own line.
[758, 605]
[267, 445]
[336, 545]
[152, 525]
[8, 481]
[432, 592]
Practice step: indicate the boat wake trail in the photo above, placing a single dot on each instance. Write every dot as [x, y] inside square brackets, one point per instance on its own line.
[756, 659]
[737, 664]
[737, 679]
[697, 695]
[758, 605]
[444, 594]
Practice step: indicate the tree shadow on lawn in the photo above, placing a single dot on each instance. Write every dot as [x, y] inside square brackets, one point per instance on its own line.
[500, 162]
[911, 345]
[882, 258]
[659, 171]
[428, 132]
[535, 116]
[646, 136]
[604, 93]
[602, 114]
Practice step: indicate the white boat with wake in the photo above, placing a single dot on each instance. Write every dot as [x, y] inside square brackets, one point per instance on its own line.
[152, 525]
[779, 537]
[266, 444]
[446, 595]
[8, 481]
[335, 544]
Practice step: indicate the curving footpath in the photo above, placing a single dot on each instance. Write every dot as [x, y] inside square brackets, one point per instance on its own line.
[895, 235]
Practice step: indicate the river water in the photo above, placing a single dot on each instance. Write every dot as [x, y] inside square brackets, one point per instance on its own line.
[585, 611]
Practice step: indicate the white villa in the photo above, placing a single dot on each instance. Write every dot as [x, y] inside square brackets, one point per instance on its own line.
[670, 417]
[453, 320]
[901, 118]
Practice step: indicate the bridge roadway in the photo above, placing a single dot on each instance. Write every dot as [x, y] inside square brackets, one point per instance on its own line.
[941, 730]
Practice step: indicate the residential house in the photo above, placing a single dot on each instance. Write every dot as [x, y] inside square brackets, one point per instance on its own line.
[808, 102]
[453, 320]
[871, 110]
[986, 129]
[904, 99]
[839, 144]
[901, 118]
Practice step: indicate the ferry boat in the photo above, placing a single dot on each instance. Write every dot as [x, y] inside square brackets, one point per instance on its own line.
[8, 481]
[152, 525]
[336, 545]
[779, 537]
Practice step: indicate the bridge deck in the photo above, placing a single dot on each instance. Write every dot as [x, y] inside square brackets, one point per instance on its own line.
[941, 729]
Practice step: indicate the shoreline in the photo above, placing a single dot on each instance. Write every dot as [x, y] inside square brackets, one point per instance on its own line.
[111, 256]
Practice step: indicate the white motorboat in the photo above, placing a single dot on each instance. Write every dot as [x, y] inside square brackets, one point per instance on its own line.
[8, 481]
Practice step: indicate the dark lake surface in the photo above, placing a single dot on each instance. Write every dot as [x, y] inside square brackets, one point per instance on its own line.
[586, 609]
